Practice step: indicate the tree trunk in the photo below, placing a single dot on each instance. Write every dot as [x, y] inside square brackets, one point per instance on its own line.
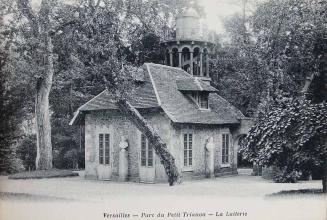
[43, 126]
[167, 160]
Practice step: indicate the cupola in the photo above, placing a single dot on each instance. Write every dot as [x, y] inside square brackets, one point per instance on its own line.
[190, 47]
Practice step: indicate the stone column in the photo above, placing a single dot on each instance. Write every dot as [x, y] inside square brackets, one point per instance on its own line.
[210, 160]
[207, 66]
[171, 58]
[191, 63]
[123, 160]
[201, 64]
[166, 61]
[180, 59]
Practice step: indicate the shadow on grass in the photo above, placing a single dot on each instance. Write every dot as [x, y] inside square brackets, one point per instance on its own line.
[296, 193]
[30, 197]
[40, 174]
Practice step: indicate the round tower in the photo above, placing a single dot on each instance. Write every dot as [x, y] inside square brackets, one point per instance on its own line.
[189, 48]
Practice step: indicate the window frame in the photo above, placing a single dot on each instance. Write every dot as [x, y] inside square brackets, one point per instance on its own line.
[202, 97]
[198, 97]
[225, 150]
[104, 149]
[148, 154]
[188, 159]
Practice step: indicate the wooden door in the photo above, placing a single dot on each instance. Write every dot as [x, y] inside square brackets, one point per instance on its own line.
[104, 149]
[147, 163]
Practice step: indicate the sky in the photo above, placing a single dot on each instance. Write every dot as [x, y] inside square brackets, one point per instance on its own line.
[217, 10]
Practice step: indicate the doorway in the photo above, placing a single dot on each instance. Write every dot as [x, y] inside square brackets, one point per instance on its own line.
[147, 161]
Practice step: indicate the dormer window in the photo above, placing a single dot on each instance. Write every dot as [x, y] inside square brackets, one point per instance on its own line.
[197, 90]
[204, 103]
[201, 99]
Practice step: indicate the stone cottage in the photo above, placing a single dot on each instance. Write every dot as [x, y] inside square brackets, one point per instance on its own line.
[200, 128]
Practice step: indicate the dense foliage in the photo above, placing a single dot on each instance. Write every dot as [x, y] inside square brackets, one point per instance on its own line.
[269, 55]
[88, 37]
[280, 47]
[260, 68]
[292, 137]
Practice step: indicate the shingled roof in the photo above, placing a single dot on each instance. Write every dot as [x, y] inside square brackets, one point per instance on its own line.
[194, 84]
[162, 87]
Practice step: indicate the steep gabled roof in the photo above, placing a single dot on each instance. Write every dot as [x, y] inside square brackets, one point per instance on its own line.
[180, 108]
[141, 96]
[162, 87]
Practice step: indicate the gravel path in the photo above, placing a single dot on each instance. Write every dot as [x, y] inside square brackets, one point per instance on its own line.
[77, 198]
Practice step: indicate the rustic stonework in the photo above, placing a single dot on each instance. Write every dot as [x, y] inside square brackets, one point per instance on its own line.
[117, 125]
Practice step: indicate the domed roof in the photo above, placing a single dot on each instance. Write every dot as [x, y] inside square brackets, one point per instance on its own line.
[189, 12]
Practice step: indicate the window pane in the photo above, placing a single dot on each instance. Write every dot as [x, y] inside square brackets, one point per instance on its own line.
[204, 101]
[143, 154]
[100, 148]
[150, 162]
[223, 140]
[185, 158]
[146, 152]
[185, 141]
[143, 150]
[100, 141]
[107, 149]
[225, 148]
[188, 138]
[107, 137]
[143, 142]
[150, 154]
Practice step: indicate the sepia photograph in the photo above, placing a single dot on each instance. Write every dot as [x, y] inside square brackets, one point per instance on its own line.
[163, 109]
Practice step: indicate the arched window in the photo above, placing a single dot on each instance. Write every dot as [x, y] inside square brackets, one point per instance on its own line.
[196, 61]
[186, 59]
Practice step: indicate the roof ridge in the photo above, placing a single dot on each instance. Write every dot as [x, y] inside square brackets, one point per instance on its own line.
[93, 98]
[153, 84]
[171, 67]
[77, 112]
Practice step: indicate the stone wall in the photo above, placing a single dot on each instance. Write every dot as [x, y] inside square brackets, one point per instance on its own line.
[200, 136]
[117, 125]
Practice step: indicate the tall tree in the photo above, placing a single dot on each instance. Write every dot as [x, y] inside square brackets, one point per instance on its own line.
[278, 54]
[43, 53]
[96, 33]
[11, 96]
[291, 133]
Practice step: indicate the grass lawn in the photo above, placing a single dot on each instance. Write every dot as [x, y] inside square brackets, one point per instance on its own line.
[40, 174]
